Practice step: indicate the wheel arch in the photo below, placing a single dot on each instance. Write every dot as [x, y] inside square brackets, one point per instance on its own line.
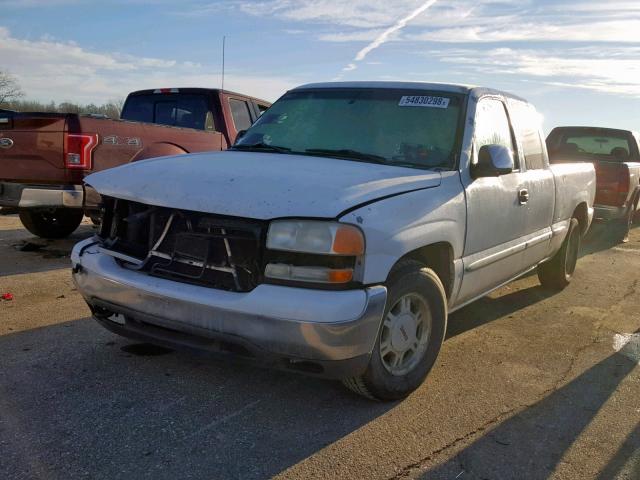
[437, 256]
[160, 149]
[581, 213]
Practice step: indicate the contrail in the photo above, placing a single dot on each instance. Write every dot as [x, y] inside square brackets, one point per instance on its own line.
[384, 36]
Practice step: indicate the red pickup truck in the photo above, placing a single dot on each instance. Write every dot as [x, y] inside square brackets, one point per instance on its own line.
[616, 157]
[45, 156]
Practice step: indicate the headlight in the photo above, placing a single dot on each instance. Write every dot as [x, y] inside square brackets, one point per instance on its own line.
[317, 237]
[312, 251]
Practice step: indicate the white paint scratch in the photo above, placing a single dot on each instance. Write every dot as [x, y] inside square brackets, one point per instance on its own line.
[218, 421]
[628, 344]
[384, 36]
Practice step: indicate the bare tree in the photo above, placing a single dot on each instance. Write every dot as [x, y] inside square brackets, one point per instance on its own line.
[9, 88]
[113, 108]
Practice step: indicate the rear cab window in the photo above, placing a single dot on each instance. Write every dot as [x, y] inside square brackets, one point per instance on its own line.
[592, 144]
[528, 126]
[177, 110]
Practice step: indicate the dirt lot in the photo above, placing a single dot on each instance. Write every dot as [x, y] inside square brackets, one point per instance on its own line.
[528, 386]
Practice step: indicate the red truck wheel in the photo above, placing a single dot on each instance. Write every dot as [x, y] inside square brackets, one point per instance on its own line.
[56, 223]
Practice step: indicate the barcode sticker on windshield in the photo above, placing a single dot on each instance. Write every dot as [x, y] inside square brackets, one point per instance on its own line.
[424, 101]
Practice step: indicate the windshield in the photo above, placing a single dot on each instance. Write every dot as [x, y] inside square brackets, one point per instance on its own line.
[396, 127]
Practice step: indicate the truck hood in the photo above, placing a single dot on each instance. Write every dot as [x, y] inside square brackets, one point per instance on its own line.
[258, 185]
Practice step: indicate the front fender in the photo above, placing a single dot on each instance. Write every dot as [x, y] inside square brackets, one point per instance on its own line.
[396, 226]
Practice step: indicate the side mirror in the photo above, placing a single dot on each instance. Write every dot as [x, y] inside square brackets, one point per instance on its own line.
[493, 161]
[239, 135]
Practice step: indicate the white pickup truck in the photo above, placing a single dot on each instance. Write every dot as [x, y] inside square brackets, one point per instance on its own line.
[339, 232]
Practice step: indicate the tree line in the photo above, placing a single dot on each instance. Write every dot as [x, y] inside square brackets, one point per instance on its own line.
[12, 98]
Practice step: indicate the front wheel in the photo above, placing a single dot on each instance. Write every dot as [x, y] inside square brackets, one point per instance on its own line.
[53, 223]
[556, 274]
[409, 340]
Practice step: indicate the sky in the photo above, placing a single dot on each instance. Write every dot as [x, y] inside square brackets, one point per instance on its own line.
[577, 61]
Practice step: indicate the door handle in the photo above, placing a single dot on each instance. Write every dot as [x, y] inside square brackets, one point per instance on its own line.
[523, 196]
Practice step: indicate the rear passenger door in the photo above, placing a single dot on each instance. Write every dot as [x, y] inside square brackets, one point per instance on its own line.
[494, 246]
[538, 182]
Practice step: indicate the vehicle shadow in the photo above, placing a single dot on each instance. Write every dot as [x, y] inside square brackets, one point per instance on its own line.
[490, 308]
[601, 236]
[76, 398]
[533, 443]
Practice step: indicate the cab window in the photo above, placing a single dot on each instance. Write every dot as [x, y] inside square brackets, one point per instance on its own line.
[262, 108]
[177, 110]
[492, 126]
[528, 125]
[240, 113]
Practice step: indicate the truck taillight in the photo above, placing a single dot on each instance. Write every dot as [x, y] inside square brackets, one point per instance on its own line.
[613, 181]
[78, 149]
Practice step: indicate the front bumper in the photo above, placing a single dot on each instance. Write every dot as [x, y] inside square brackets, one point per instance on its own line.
[40, 196]
[607, 213]
[331, 333]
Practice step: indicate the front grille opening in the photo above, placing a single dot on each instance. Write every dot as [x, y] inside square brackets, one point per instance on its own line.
[191, 247]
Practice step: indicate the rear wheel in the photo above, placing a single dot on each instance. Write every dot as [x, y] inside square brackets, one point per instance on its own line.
[557, 273]
[622, 227]
[53, 223]
[409, 340]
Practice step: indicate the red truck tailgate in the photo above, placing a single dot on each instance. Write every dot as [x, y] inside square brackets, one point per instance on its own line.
[33, 149]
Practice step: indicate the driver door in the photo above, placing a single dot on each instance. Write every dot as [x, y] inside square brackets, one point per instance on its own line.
[496, 222]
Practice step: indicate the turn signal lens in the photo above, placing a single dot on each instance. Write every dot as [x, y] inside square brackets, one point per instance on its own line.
[282, 271]
[348, 240]
[340, 276]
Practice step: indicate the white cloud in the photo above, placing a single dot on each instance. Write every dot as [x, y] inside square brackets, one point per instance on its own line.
[611, 70]
[385, 35]
[357, 14]
[354, 13]
[620, 31]
[53, 70]
[353, 36]
[587, 44]
[399, 25]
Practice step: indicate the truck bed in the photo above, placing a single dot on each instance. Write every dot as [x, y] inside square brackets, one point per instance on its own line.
[574, 184]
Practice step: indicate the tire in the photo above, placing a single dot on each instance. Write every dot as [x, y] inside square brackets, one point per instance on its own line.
[635, 216]
[411, 282]
[55, 223]
[622, 227]
[556, 274]
[96, 218]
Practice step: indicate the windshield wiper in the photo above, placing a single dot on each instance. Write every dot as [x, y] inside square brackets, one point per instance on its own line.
[261, 147]
[350, 154]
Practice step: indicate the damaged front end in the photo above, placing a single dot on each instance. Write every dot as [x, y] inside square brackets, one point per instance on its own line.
[191, 247]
